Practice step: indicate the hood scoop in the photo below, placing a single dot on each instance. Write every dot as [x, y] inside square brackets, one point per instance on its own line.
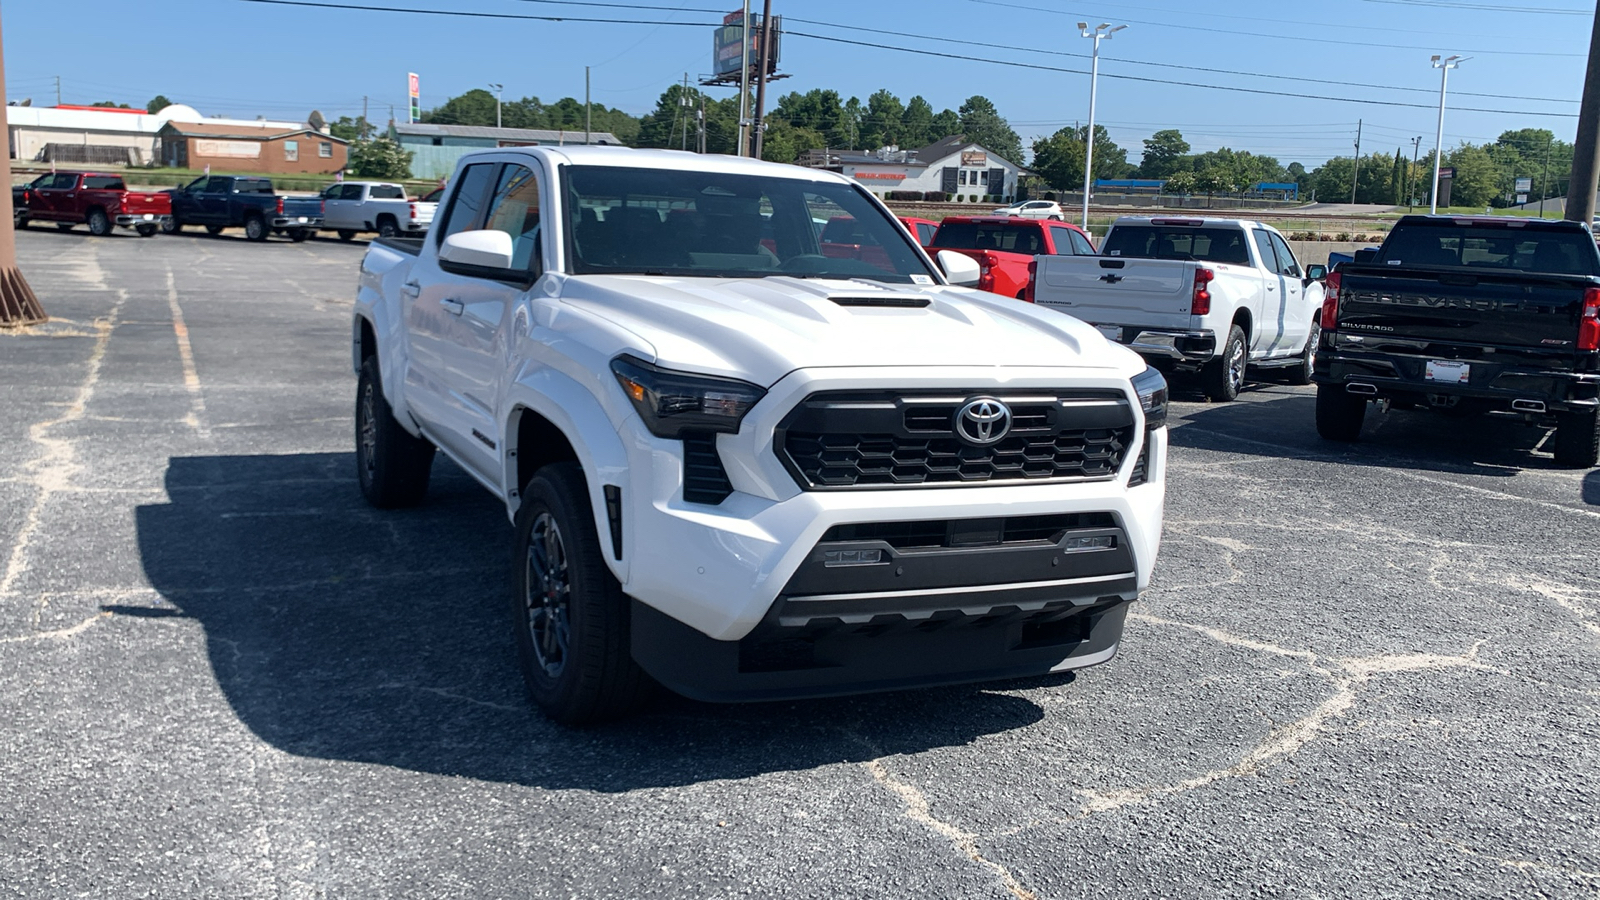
[886, 301]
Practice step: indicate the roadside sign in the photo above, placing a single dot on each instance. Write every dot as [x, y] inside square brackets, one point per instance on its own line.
[414, 88]
[1524, 185]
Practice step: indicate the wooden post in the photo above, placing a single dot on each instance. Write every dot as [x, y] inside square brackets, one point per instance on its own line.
[18, 305]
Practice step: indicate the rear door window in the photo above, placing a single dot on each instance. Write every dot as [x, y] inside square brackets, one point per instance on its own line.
[103, 183]
[386, 192]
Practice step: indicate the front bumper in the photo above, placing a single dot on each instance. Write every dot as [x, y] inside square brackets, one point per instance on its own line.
[297, 222]
[135, 220]
[1492, 384]
[712, 578]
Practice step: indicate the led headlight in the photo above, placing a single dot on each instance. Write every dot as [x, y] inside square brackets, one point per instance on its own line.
[1151, 386]
[671, 403]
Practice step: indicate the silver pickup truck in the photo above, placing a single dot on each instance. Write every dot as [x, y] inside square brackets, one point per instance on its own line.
[354, 207]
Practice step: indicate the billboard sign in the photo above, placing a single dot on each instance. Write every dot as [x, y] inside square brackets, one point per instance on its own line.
[976, 158]
[727, 49]
[1524, 185]
[414, 88]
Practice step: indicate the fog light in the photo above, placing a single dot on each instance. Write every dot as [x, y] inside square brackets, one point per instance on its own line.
[1084, 544]
[832, 558]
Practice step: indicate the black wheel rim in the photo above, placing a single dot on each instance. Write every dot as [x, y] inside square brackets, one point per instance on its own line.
[548, 594]
[367, 432]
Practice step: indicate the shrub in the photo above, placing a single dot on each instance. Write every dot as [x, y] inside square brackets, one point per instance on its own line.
[936, 197]
[1344, 236]
[905, 195]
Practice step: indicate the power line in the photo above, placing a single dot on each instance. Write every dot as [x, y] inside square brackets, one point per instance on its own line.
[1457, 4]
[473, 15]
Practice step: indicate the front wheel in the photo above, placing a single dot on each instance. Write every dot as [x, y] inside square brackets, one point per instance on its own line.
[255, 229]
[387, 227]
[1223, 377]
[1300, 372]
[392, 465]
[1339, 413]
[1578, 439]
[147, 230]
[571, 615]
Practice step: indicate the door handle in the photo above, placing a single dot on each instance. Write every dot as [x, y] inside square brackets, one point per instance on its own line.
[411, 289]
[1272, 287]
[453, 307]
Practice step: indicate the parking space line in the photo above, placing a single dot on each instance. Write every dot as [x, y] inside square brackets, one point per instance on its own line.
[191, 377]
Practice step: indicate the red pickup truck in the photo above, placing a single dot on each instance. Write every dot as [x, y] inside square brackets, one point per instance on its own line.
[1005, 246]
[92, 198]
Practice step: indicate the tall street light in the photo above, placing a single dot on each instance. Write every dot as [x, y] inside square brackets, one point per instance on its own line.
[1100, 32]
[1444, 66]
[497, 89]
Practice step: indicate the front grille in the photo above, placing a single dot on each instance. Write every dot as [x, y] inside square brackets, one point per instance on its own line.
[704, 478]
[850, 439]
[1141, 465]
[948, 532]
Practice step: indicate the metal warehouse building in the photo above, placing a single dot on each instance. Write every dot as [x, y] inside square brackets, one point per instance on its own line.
[436, 148]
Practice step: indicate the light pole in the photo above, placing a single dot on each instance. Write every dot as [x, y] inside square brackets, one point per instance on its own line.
[1444, 66]
[497, 89]
[1100, 32]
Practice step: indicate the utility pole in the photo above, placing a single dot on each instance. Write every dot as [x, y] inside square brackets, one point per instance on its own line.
[1355, 179]
[1544, 177]
[58, 90]
[702, 122]
[744, 81]
[1586, 148]
[1411, 176]
[18, 304]
[761, 75]
[498, 90]
[585, 105]
[361, 132]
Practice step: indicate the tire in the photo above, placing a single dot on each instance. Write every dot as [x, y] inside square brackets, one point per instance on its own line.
[171, 225]
[21, 221]
[346, 235]
[1578, 439]
[1055, 218]
[1223, 377]
[99, 223]
[147, 230]
[1300, 372]
[392, 466]
[1339, 413]
[301, 235]
[64, 226]
[214, 230]
[387, 227]
[570, 614]
[255, 229]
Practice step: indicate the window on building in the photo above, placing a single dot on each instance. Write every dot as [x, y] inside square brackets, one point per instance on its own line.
[291, 151]
[438, 142]
[325, 150]
[983, 177]
[963, 176]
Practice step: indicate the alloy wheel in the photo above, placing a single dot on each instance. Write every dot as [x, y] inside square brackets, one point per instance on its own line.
[548, 595]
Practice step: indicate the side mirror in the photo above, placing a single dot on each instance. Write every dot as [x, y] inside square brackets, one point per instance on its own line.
[1316, 273]
[484, 249]
[960, 270]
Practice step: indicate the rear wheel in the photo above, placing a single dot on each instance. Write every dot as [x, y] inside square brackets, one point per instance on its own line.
[1300, 372]
[1339, 413]
[214, 230]
[255, 229]
[21, 221]
[99, 223]
[147, 230]
[1223, 377]
[393, 466]
[1578, 439]
[571, 615]
[387, 227]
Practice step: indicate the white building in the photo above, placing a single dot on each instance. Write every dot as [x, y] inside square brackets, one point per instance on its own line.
[86, 135]
[954, 166]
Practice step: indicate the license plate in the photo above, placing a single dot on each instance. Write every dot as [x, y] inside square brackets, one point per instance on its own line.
[1111, 332]
[148, 217]
[1447, 371]
[301, 220]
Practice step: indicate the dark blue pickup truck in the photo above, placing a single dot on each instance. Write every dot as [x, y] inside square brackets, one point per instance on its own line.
[234, 201]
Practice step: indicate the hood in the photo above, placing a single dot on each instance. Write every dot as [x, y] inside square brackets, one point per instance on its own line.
[760, 329]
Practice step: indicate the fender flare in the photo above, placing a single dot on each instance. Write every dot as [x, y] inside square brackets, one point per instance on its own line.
[577, 413]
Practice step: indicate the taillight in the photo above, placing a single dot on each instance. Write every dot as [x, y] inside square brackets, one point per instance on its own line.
[985, 271]
[1330, 301]
[413, 211]
[1201, 304]
[322, 208]
[1033, 273]
[1589, 324]
[280, 206]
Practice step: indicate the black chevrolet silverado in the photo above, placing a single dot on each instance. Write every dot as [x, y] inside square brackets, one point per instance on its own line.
[1468, 314]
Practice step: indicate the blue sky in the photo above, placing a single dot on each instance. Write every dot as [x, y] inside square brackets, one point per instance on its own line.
[247, 59]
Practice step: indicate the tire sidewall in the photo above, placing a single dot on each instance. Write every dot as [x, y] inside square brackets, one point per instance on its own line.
[99, 224]
[546, 493]
[255, 229]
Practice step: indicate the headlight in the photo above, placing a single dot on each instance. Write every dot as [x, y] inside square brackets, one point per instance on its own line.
[671, 403]
[1151, 386]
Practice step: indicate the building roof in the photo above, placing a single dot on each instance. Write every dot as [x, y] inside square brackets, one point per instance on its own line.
[243, 130]
[127, 121]
[540, 135]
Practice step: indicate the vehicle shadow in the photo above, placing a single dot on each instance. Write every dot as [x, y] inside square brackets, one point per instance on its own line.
[1280, 421]
[339, 632]
[1591, 488]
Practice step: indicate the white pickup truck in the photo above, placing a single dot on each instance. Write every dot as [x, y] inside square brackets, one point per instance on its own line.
[1215, 296]
[353, 207]
[739, 467]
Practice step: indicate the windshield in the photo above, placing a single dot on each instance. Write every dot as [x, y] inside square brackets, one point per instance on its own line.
[1218, 245]
[1010, 238]
[1569, 252]
[637, 221]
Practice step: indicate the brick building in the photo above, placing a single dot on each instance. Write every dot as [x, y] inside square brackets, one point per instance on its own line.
[243, 147]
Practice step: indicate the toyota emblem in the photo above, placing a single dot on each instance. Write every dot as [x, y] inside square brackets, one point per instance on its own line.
[983, 421]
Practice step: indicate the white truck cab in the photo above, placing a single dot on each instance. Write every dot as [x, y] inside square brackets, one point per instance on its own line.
[1211, 295]
[741, 468]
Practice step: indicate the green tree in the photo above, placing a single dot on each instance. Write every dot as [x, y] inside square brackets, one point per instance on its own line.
[1059, 158]
[882, 124]
[111, 104]
[348, 129]
[157, 104]
[916, 125]
[784, 142]
[382, 158]
[1182, 182]
[475, 107]
[1164, 154]
[1398, 178]
[983, 125]
[1478, 180]
[945, 124]
[820, 110]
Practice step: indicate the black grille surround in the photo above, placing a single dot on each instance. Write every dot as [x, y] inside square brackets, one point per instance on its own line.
[704, 478]
[842, 440]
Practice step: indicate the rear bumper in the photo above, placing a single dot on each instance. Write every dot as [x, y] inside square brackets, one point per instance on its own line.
[297, 222]
[134, 220]
[1183, 347]
[1491, 386]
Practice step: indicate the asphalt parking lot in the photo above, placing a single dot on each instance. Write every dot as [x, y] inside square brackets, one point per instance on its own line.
[1368, 671]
